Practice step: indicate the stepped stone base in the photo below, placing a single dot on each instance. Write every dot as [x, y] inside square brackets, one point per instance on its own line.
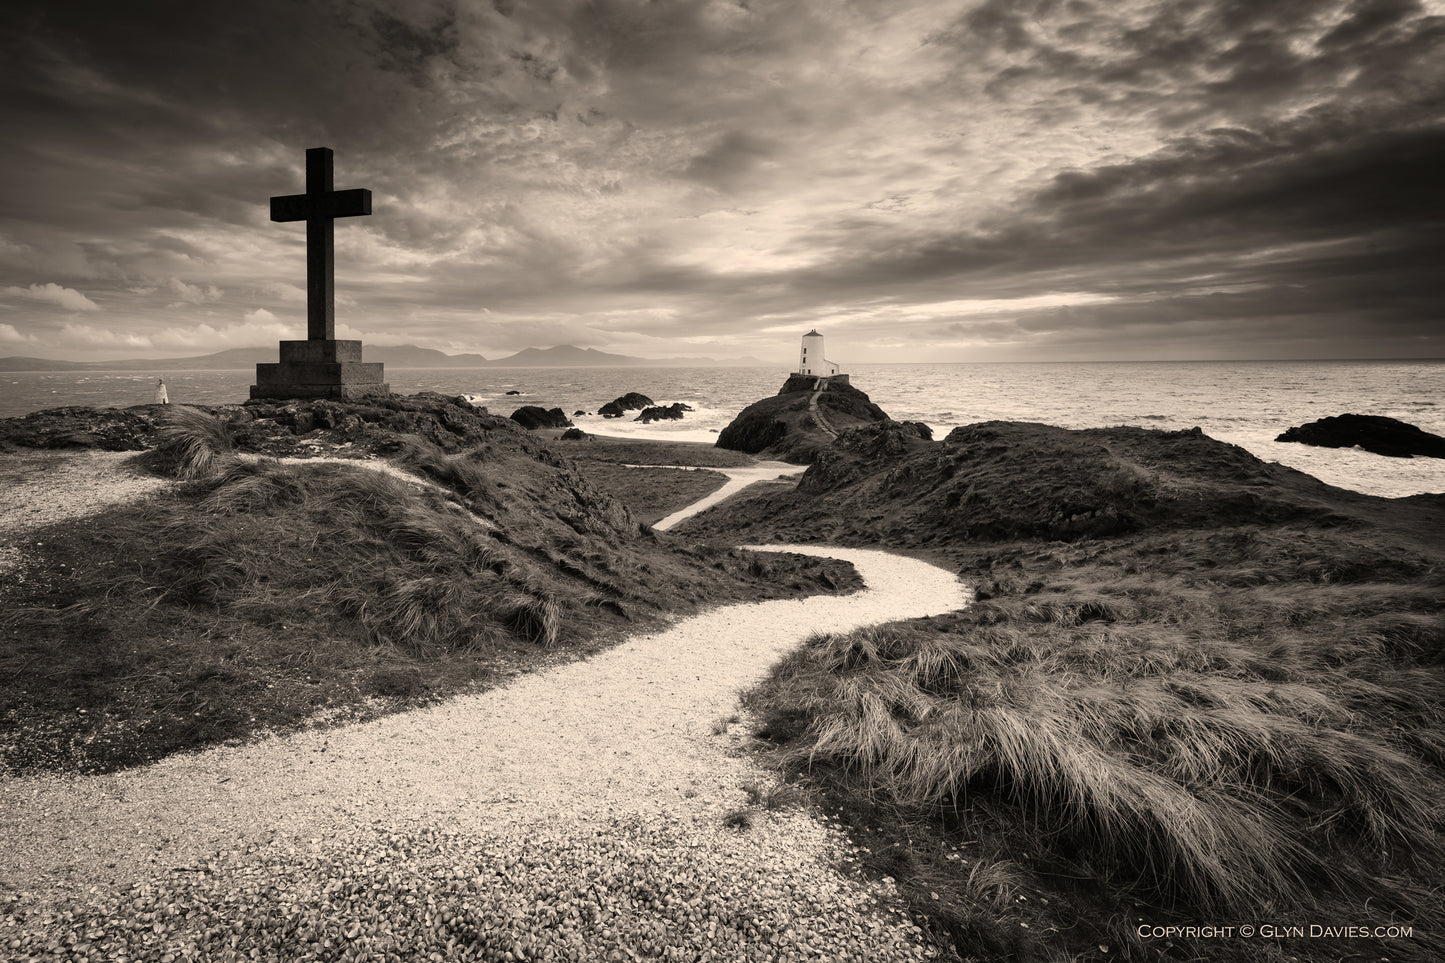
[321, 369]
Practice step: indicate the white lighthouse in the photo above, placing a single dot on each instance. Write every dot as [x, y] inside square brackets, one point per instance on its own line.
[811, 361]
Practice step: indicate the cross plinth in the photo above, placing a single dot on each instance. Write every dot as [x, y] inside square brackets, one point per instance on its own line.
[320, 366]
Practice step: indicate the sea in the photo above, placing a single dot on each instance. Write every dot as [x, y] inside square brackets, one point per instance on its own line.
[1243, 403]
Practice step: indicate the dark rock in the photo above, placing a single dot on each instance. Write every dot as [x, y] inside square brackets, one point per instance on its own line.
[271, 426]
[531, 416]
[1373, 433]
[514, 392]
[797, 382]
[925, 432]
[109, 429]
[671, 412]
[579, 414]
[787, 426]
[575, 434]
[632, 401]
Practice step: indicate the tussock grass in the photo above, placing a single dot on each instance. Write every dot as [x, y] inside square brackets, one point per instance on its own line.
[1212, 744]
[463, 473]
[191, 443]
[1223, 787]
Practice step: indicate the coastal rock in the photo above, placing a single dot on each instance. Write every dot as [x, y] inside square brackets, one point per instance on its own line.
[672, 412]
[1373, 433]
[514, 392]
[574, 434]
[802, 418]
[272, 427]
[109, 429]
[632, 401]
[531, 416]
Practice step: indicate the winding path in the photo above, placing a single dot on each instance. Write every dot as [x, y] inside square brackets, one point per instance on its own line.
[818, 418]
[628, 745]
[738, 479]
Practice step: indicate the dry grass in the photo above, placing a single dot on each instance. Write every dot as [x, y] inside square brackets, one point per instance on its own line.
[1205, 740]
[191, 443]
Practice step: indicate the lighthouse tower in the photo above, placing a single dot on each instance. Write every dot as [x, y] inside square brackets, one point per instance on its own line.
[811, 361]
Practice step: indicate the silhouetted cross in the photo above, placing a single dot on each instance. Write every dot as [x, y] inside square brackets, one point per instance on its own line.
[319, 207]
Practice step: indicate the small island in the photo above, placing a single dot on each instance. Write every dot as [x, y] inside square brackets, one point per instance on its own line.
[1373, 433]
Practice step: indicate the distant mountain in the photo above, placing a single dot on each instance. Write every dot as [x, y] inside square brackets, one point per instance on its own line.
[39, 364]
[233, 358]
[562, 356]
[400, 356]
[571, 356]
[410, 356]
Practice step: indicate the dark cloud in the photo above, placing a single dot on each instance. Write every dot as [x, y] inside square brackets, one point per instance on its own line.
[1191, 172]
[729, 162]
[1202, 61]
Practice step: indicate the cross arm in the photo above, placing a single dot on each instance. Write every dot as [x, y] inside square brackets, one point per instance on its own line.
[298, 207]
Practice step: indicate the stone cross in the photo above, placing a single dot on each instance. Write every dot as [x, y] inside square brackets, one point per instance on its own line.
[319, 207]
[320, 366]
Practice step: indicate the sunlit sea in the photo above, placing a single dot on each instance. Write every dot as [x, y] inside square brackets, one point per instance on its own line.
[1244, 403]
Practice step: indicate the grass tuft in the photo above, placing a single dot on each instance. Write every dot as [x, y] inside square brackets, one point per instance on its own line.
[191, 444]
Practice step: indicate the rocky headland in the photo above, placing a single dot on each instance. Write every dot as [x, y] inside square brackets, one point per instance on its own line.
[1372, 433]
[804, 417]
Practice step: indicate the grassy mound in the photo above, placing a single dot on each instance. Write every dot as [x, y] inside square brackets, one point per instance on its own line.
[1000, 481]
[1221, 702]
[265, 593]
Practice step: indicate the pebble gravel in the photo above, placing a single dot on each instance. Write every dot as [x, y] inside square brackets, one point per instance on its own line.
[576, 814]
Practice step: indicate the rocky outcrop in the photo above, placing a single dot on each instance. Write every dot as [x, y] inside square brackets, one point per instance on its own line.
[109, 429]
[531, 416]
[617, 407]
[860, 451]
[672, 412]
[1373, 433]
[575, 434]
[802, 418]
[797, 382]
[274, 427]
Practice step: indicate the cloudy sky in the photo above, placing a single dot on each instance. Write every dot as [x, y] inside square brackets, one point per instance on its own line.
[921, 180]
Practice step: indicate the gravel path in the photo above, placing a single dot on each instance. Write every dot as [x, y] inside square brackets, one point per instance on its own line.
[592, 794]
[43, 487]
[738, 479]
[580, 813]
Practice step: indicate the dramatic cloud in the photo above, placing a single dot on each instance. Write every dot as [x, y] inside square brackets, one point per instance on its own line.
[67, 298]
[926, 179]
